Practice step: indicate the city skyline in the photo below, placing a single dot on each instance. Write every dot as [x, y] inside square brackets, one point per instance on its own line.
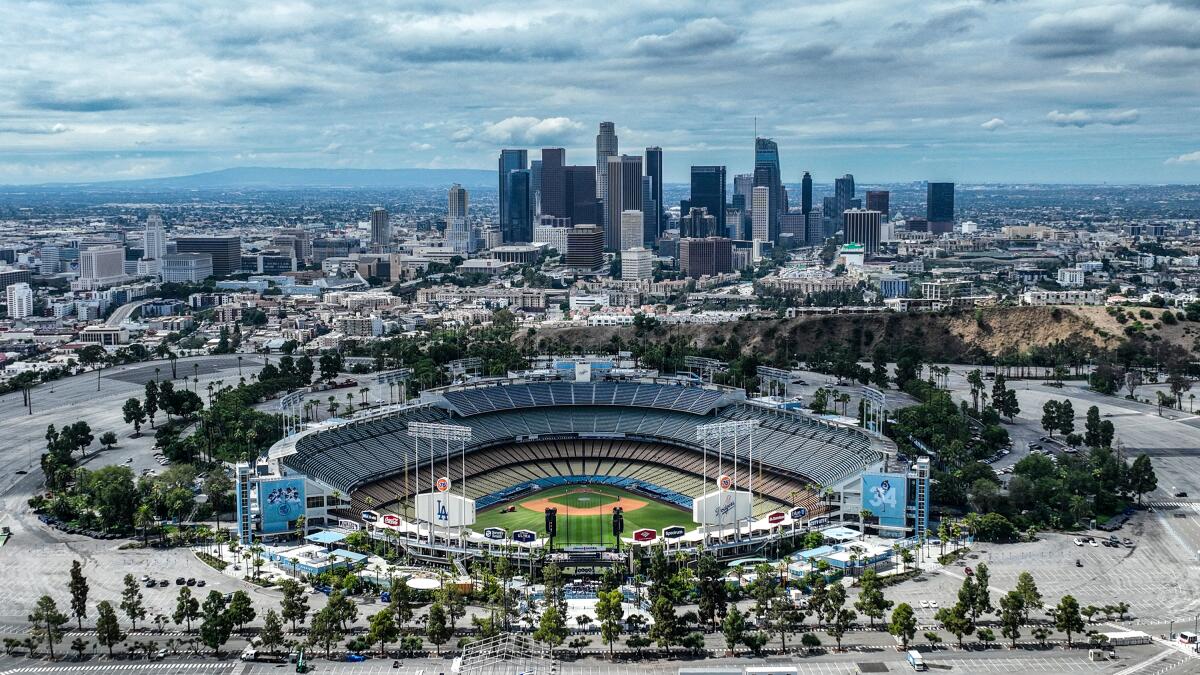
[971, 92]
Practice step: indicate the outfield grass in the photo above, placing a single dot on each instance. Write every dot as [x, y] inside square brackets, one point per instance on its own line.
[583, 529]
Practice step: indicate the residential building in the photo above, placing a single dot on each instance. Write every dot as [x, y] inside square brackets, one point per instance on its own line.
[637, 264]
[19, 300]
[1068, 276]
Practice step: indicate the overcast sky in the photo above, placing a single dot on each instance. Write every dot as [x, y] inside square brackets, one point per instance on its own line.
[998, 91]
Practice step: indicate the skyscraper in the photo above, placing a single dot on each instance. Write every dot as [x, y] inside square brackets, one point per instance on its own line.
[459, 201]
[939, 207]
[519, 191]
[767, 174]
[708, 191]
[650, 212]
[879, 200]
[843, 195]
[698, 222]
[632, 230]
[553, 182]
[19, 300]
[654, 171]
[535, 185]
[381, 228]
[606, 146]
[226, 252]
[806, 194]
[624, 177]
[510, 160]
[862, 226]
[760, 203]
[585, 247]
[637, 264]
[154, 242]
[705, 257]
[579, 195]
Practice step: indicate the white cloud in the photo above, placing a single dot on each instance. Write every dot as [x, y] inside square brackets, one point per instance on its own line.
[700, 35]
[993, 124]
[1186, 158]
[531, 130]
[1083, 118]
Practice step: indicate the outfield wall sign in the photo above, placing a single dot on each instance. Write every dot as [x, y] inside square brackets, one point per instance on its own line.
[495, 533]
[524, 536]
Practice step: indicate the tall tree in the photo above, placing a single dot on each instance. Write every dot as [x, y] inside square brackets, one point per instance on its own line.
[240, 610]
[108, 629]
[294, 606]
[1031, 599]
[870, 597]
[187, 608]
[326, 629]
[383, 630]
[983, 594]
[610, 616]
[956, 620]
[151, 404]
[903, 624]
[437, 628]
[134, 414]
[215, 624]
[271, 635]
[132, 602]
[1067, 618]
[48, 623]
[1012, 615]
[1091, 428]
[1141, 477]
[79, 593]
[733, 628]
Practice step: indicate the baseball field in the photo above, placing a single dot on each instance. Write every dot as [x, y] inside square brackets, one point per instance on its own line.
[584, 514]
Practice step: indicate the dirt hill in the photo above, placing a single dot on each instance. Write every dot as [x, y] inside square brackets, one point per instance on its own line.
[943, 337]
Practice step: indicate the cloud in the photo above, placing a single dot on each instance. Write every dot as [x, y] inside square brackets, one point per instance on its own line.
[36, 130]
[85, 105]
[695, 37]
[1187, 158]
[993, 124]
[1083, 118]
[530, 131]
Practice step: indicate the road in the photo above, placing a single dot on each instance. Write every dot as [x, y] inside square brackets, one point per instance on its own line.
[123, 312]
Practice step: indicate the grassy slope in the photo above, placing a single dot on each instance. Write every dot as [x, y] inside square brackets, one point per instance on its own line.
[583, 529]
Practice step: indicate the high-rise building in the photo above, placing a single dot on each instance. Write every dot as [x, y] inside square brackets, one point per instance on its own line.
[459, 202]
[585, 247]
[101, 263]
[624, 177]
[606, 146]
[806, 203]
[154, 238]
[510, 160]
[299, 239]
[843, 197]
[705, 257]
[637, 264]
[767, 174]
[19, 300]
[535, 185]
[862, 226]
[579, 192]
[654, 171]
[519, 192]
[708, 192]
[226, 252]
[553, 182]
[632, 229]
[939, 206]
[650, 212]
[381, 228]
[879, 200]
[814, 227]
[760, 216]
[698, 223]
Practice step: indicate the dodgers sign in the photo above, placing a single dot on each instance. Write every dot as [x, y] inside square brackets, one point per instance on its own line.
[445, 509]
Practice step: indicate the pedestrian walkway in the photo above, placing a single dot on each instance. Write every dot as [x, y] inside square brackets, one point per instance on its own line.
[163, 668]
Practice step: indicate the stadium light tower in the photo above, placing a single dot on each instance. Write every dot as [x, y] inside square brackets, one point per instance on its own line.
[291, 405]
[392, 378]
[728, 438]
[448, 434]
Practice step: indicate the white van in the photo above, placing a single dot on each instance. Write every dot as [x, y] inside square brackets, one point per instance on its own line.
[915, 660]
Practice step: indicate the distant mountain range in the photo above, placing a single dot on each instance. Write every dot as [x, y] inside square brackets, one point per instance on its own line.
[266, 177]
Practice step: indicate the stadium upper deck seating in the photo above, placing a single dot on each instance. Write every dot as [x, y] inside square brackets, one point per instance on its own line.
[351, 455]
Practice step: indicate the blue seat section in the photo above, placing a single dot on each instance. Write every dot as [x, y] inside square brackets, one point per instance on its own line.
[632, 484]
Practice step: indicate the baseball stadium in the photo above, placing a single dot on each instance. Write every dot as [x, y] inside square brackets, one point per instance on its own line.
[574, 465]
